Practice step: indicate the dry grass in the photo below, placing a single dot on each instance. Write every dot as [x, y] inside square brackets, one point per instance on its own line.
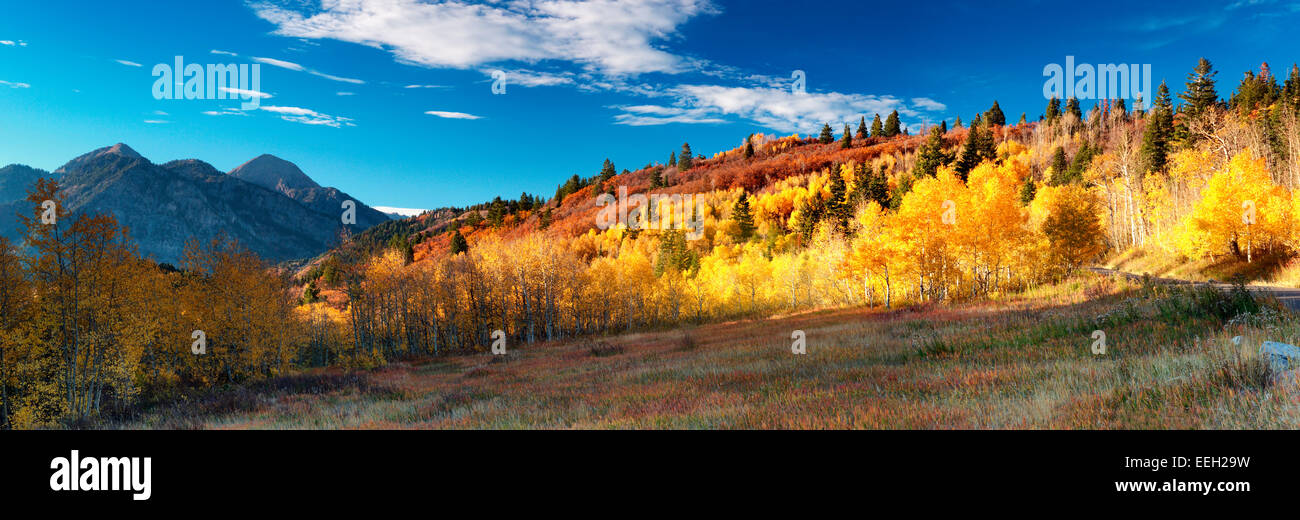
[1281, 269]
[1020, 363]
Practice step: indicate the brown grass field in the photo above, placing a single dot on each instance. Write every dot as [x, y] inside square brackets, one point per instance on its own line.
[1021, 362]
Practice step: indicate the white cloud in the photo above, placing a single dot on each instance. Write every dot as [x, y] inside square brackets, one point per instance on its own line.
[345, 93]
[592, 45]
[244, 93]
[160, 113]
[308, 116]
[452, 115]
[928, 104]
[426, 86]
[299, 68]
[225, 112]
[129, 63]
[612, 37]
[155, 122]
[650, 115]
[12, 43]
[532, 78]
[12, 84]
[777, 108]
[280, 63]
[354, 81]
[224, 53]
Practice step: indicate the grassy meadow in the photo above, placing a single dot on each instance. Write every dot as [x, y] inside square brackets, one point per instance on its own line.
[1019, 362]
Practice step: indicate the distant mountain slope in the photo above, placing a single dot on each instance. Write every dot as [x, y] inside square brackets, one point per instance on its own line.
[271, 172]
[277, 174]
[15, 179]
[166, 205]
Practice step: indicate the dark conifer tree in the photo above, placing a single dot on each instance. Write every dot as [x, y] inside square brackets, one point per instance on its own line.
[686, 160]
[827, 136]
[744, 219]
[892, 125]
[995, 117]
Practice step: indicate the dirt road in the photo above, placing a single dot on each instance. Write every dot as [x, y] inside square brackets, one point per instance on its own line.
[1289, 296]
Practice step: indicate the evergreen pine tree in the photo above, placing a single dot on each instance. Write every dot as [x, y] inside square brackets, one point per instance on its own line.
[309, 293]
[672, 159]
[1059, 167]
[686, 160]
[1200, 93]
[827, 137]
[877, 129]
[995, 117]
[847, 140]
[862, 128]
[892, 125]
[749, 147]
[931, 156]
[744, 219]
[878, 189]
[1159, 132]
[1053, 111]
[837, 209]
[458, 243]
[607, 171]
[1028, 192]
[972, 152]
[1072, 108]
[1022, 119]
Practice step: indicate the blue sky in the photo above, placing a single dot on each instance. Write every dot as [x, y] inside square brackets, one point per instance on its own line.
[392, 100]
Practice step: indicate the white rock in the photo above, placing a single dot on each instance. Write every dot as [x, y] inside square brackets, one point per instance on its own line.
[1280, 356]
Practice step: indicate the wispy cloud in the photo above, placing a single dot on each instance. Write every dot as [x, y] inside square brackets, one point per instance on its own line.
[129, 63]
[308, 116]
[652, 115]
[532, 78]
[353, 81]
[155, 122]
[452, 115]
[244, 92]
[13, 43]
[928, 104]
[225, 112]
[12, 84]
[280, 63]
[426, 86]
[223, 53]
[345, 93]
[299, 68]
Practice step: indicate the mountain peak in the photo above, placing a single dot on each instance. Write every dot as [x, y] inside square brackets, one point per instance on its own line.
[274, 173]
[121, 149]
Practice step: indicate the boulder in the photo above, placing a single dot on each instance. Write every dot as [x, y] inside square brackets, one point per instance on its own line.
[1280, 356]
